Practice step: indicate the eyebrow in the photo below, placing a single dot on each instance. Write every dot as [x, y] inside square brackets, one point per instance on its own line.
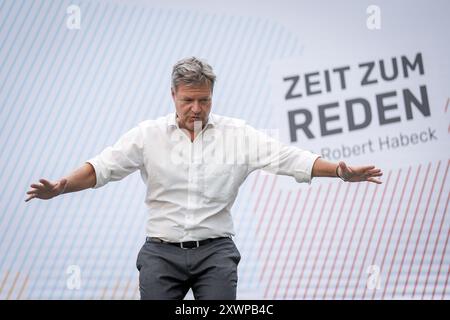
[200, 98]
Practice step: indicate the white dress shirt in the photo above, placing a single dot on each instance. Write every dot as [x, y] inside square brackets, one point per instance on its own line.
[191, 186]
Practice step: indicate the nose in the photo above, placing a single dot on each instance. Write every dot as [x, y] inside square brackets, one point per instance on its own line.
[196, 107]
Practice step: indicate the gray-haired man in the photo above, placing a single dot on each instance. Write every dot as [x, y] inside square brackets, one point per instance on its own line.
[193, 163]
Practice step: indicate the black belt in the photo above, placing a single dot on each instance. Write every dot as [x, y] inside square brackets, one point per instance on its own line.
[186, 244]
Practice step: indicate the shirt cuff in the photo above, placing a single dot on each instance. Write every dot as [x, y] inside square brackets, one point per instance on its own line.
[100, 176]
[303, 170]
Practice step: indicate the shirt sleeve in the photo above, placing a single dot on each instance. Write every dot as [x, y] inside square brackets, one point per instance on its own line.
[271, 155]
[118, 161]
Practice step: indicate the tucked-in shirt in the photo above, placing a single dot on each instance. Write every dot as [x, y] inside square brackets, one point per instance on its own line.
[192, 185]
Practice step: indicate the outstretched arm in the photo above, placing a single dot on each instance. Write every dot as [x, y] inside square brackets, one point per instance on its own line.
[324, 168]
[80, 179]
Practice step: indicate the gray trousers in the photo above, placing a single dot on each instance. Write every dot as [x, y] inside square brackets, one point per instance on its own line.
[167, 272]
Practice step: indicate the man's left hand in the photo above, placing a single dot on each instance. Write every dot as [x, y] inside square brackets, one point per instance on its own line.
[359, 173]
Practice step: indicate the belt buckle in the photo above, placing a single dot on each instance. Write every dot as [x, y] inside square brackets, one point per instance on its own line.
[196, 242]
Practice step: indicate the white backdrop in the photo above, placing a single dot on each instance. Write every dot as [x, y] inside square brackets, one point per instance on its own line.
[71, 84]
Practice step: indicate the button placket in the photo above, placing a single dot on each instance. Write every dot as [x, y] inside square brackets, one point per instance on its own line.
[193, 180]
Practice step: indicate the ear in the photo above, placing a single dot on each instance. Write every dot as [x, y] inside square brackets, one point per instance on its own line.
[172, 91]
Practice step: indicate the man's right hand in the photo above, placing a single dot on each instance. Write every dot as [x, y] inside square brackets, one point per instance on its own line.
[46, 190]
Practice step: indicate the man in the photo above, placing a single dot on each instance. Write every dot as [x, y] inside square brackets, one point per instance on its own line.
[193, 163]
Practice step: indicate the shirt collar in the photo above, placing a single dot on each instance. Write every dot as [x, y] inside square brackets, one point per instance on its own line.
[172, 120]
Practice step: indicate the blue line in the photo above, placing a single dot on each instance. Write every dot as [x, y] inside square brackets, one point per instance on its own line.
[264, 92]
[263, 84]
[62, 243]
[267, 118]
[248, 98]
[123, 125]
[200, 46]
[116, 115]
[175, 49]
[6, 74]
[210, 23]
[4, 20]
[246, 215]
[179, 44]
[11, 172]
[1, 8]
[155, 86]
[61, 43]
[122, 249]
[155, 82]
[164, 92]
[138, 237]
[246, 62]
[115, 61]
[16, 216]
[107, 209]
[214, 47]
[107, 258]
[224, 57]
[269, 113]
[20, 91]
[9, 30]
[86, 70]
[236, 209]
[136, 194]
[261, 93]
[5, 60]
[228, 86]
[258, 97]
[125, 119]
[55, 99]
[227, 58]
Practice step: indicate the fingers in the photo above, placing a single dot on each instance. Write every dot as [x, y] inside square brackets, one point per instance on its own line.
[373, 172]
[46, 189]
[43, 185]
[38, 186]
[374, 180]
[32, 191]
[32, 194]
[361, 173]
[30, 197]
[379, 174]
[46, 183]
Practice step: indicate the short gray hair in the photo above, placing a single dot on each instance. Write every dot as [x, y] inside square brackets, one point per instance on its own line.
[191, 72]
